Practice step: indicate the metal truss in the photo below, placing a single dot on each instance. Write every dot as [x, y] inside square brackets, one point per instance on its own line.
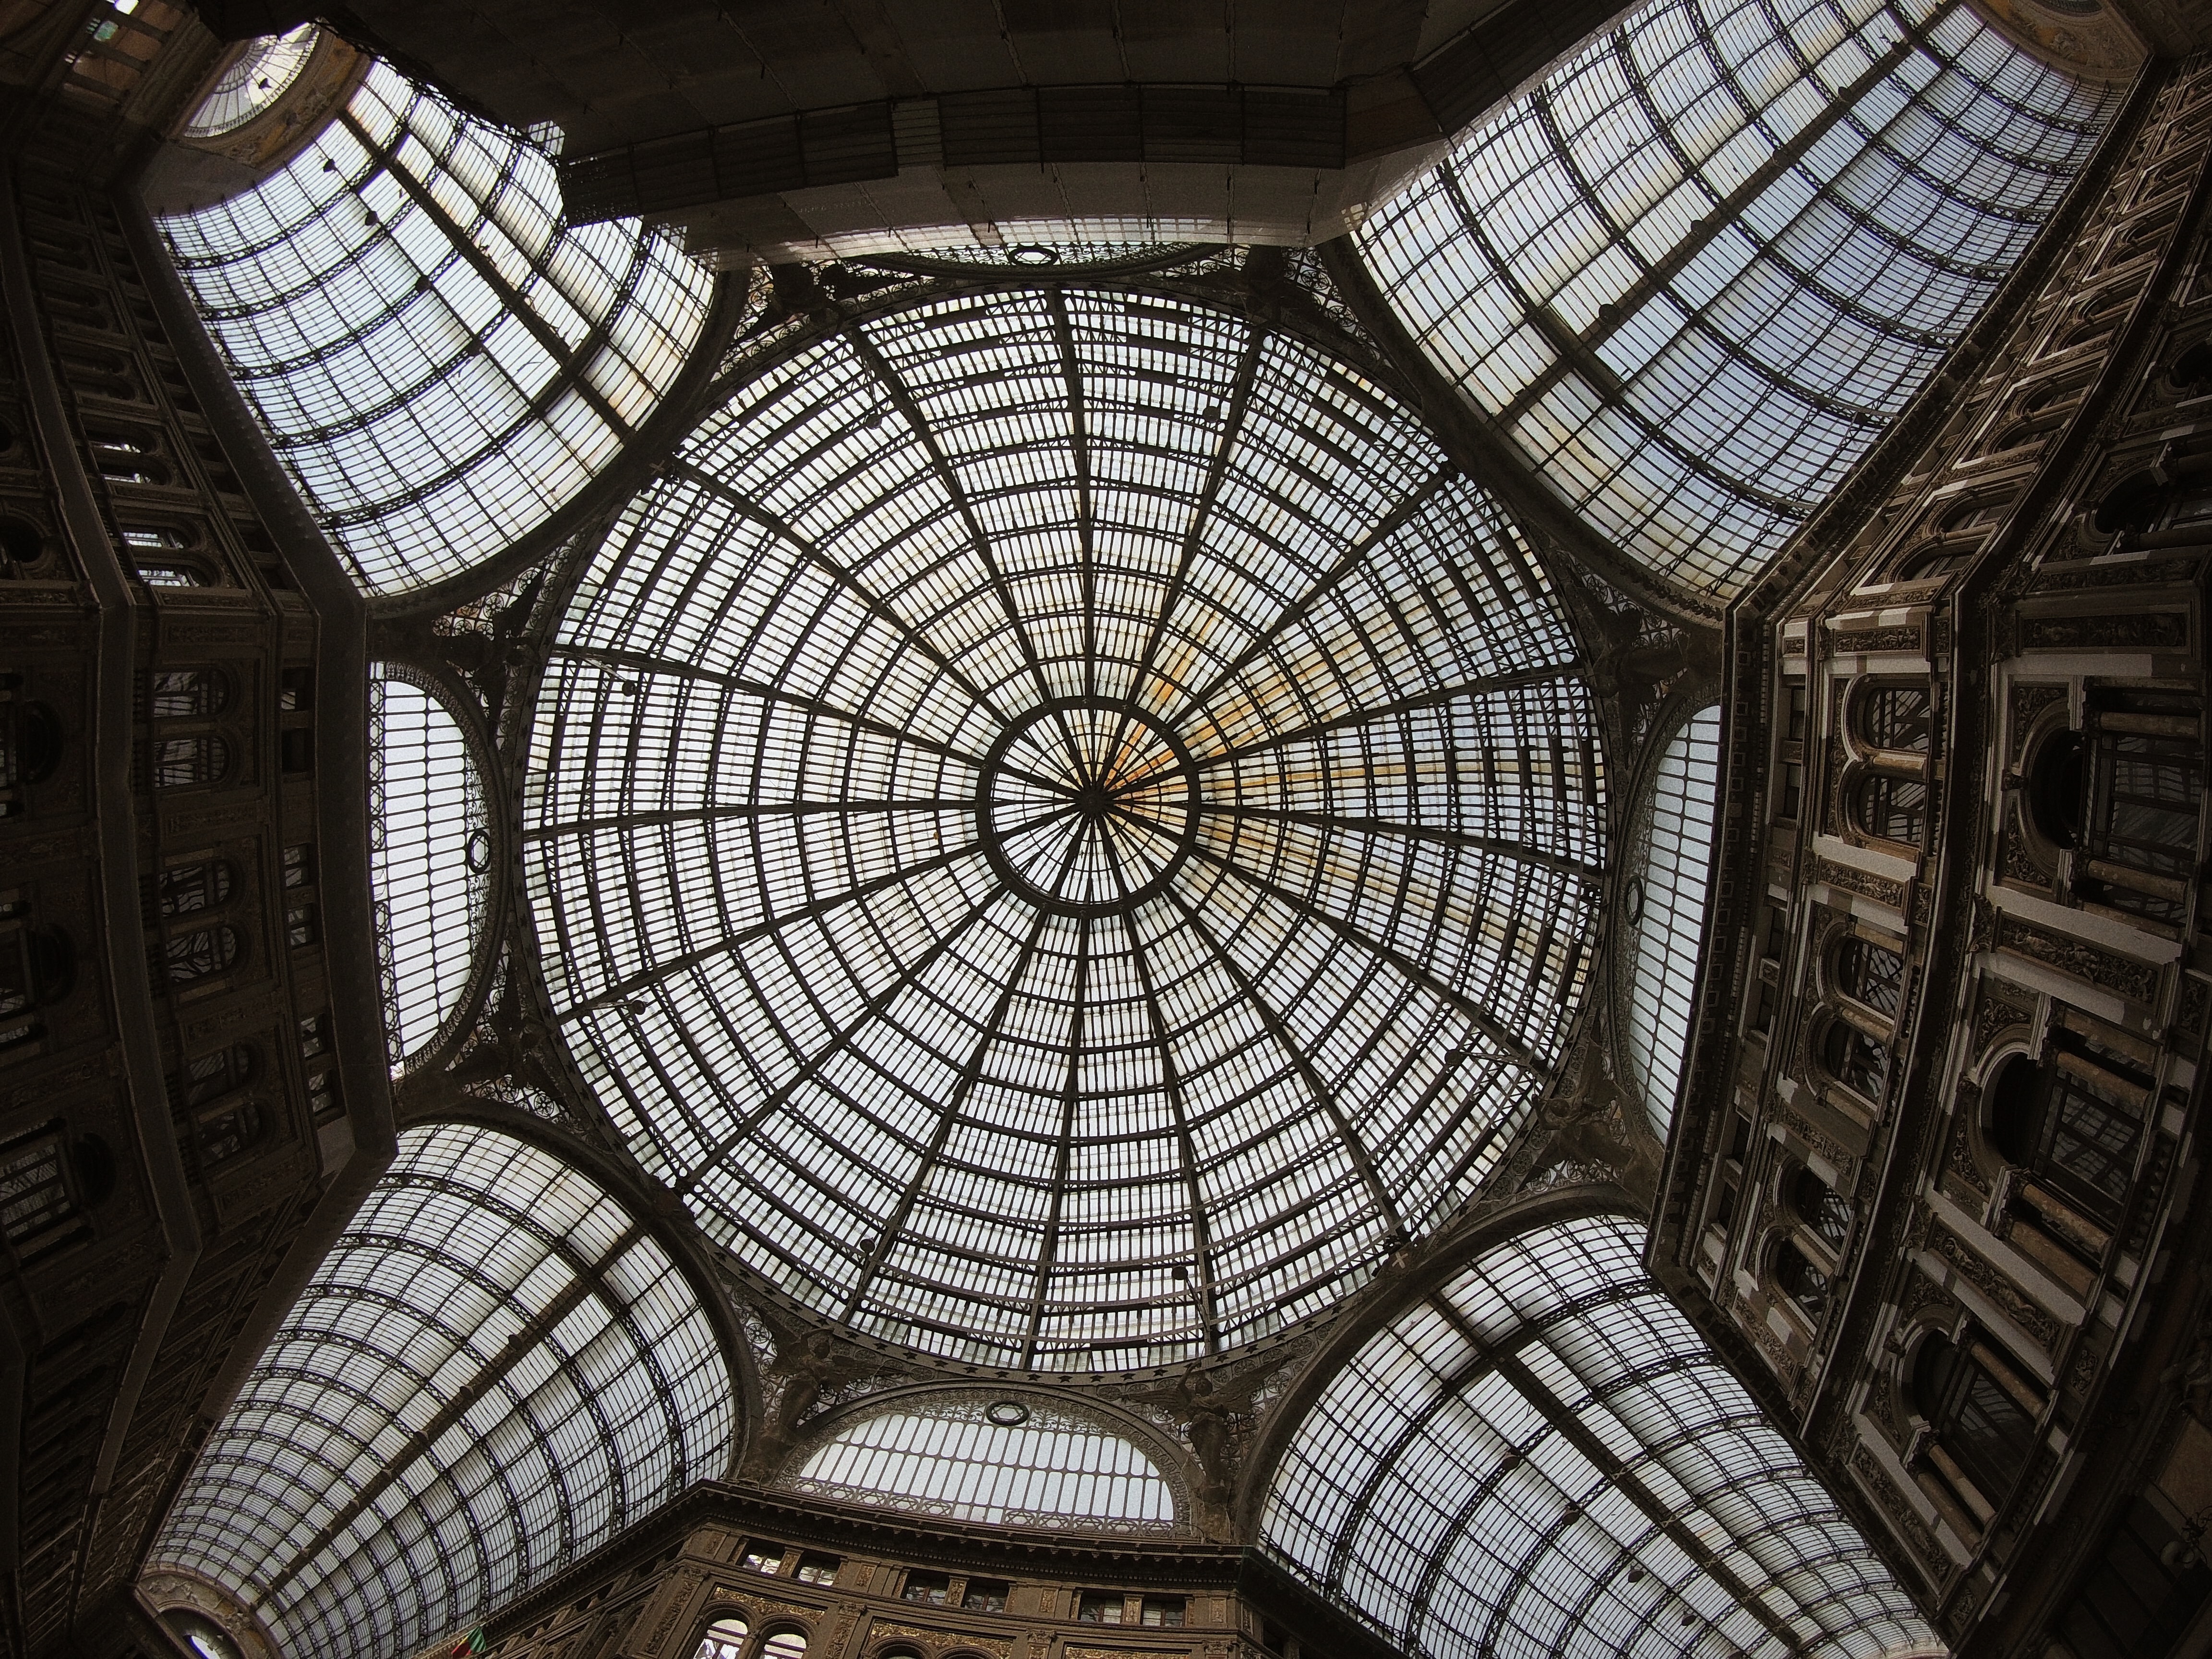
[495, 1371]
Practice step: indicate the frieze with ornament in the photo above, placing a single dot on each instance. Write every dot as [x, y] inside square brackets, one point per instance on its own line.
[1992, 1019]
[1904, 1519]
[2134, 980]
[938, 1641]
[1862, 642]
[1960, 1160]
[2029, 700]
[2154, 630]
[1882, 890]
[2031, 1317]
[1845, 1161]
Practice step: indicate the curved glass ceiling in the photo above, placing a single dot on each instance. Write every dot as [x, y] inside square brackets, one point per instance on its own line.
[263, 71]
[1696, 273]
[1061, 824]
[970, 1456]
[1543, 1458]
[439, 362]
[494, 1371]
[1670, 864]
[430, 857]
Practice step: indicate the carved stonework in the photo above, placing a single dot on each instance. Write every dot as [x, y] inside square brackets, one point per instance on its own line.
[2189, 1014]
[2027, 702]
[937, 1641]
[2029, 1315]
[1920, 1292]
[1877, 639]
[2141, 630]
[1959, 1159]
[1827, 1146]
[1904, 1520]
[1994, 1017]
[2134, 980]
[1882, 890]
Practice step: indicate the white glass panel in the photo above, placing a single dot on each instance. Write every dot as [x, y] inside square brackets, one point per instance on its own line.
[1696, 273]
[393, 1469]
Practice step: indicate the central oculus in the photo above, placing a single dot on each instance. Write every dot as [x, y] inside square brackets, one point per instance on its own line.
[1087, 807]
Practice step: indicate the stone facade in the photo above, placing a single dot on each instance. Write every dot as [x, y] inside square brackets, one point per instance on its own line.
[1936, 1169]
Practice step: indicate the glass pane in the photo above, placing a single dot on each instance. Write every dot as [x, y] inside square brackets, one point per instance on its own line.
[1694, 334]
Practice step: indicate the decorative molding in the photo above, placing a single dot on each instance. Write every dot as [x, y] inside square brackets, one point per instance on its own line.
[2027, 700]
[1993, 1017]
[2141, 630]
[1903, 1518]
[2136, 980]
[2032, 1318]
[1882, 890]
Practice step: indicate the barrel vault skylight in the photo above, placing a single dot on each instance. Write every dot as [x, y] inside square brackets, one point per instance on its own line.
[1696, 273]
[440, 363]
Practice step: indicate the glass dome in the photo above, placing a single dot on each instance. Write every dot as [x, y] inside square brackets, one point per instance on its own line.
[1061, 824]
[259, 77]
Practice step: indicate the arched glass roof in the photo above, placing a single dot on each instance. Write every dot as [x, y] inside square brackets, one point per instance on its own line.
[494, 1371]
[970, 1456]
[1669, 865]
[430, 859]
[440, 363]
[1061, 824]
[1696, 273]
[261, 73]
[1543, 1458]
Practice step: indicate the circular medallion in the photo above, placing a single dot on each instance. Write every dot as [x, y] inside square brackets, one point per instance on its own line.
[1087, 807]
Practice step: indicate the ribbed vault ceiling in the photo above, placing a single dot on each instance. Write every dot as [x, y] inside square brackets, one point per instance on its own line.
[1063, 823]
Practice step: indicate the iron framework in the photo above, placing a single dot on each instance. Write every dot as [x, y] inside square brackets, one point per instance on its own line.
[1541, 1457]
[1062, 825]
[1696, 273]
[495, 1371]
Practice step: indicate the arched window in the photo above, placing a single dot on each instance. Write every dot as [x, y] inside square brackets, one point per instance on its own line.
[38, 968]
[2076, 1122]
[2055, 780]
[182, 762]
[784, 1645]
[199, 953]
[30, 743]
[1823, 1209]
[222, 1134]
[1869, 975]
[1981, 1410]
[1893, 716]
[202, 885]
[188, 693]
[1853, 1059]
[2148, 778]
[1891, 807]
[724, 1639]
[1796, 1278]
[211, 1076]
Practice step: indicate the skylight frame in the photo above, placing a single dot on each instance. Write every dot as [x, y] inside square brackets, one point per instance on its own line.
[440, 363]
[1439, 1485]
[842, 504]
[1765, 347]
[315, 1501]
